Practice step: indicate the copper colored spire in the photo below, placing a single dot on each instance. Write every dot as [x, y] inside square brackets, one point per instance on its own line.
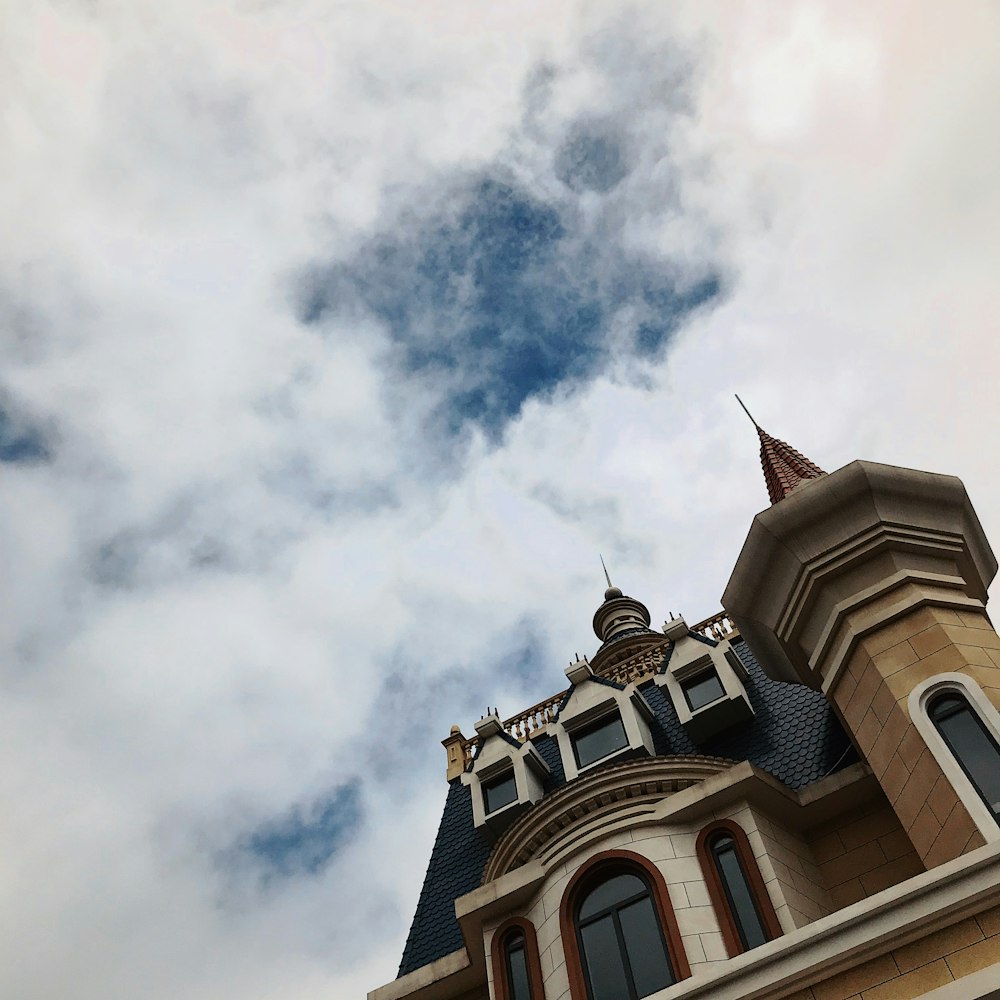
[784, 467]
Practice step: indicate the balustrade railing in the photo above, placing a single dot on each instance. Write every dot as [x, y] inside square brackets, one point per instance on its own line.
[522, 725]
[719, 626]
[642, 664]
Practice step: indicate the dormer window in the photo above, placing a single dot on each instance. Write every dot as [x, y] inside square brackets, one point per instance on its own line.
[506, 777]
[600, 722]
[702, 690]
[599, 740]
[705, 681]
[500, 791]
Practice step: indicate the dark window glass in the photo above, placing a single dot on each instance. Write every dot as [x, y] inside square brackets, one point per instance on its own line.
[742, 905]
[517, 967]
[644, 947]
[621, 941]
[602, 738]
[702, 690]
[973, 746]
[611, 891]
[605, 965]
[500, 792]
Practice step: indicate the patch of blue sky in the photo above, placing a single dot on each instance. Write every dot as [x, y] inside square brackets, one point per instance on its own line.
[494, 295]
[20, 442]
[304, 841]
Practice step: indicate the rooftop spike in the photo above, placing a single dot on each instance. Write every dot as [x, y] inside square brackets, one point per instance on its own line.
[612, 591]
[605, 568]
[746, 411]
[784, 467]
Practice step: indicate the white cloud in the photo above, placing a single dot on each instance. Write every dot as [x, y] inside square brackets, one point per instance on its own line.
[210, 592]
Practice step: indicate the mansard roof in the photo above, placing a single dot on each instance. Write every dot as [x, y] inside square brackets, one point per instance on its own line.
[794, 736]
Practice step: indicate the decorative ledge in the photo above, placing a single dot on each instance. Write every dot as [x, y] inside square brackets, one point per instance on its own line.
[641, 783]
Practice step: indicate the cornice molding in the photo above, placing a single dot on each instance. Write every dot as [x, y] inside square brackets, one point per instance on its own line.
[846, 553]
[582, 810]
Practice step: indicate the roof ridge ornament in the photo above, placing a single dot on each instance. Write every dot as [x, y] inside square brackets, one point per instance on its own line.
[784, 467]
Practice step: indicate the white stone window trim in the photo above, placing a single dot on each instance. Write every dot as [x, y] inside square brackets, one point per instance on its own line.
[613, 710]
[490, 774]
[692, 671]
[631, 708]
[721, 660]
[529, 771]
[920, 698]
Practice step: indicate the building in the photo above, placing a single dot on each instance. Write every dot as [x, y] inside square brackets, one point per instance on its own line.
[797, 798]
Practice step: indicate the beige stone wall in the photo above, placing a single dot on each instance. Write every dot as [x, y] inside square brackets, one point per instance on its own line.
[672, 850]
[807, 876]
[792, 877]
[789, 869]
[871, 697]
[914, 969]
[862, 852]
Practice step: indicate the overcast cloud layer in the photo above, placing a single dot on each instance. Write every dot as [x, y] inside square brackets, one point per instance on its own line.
[336, 340]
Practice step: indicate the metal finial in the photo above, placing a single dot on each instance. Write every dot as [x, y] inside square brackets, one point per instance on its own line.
[606, 576]
[747, 412]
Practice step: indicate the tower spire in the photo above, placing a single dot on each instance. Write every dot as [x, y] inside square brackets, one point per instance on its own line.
[784, 467]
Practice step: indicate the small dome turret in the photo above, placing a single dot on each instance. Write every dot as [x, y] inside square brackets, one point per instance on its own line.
[619, 614]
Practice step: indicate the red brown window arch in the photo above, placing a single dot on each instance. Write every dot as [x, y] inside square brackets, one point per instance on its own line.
[616, 910]
[517, 970]
[739, 896]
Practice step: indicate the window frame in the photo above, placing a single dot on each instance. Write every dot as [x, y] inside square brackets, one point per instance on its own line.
[501, 778]
[592, 726]
[694, 679]
[498, 958]
[940, 695]
[595, 869]
[968, 794]
[728, 923]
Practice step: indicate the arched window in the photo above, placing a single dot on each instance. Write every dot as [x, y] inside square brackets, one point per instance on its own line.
[971, 744]
[517, 971]
[619, 931]
[746, 916]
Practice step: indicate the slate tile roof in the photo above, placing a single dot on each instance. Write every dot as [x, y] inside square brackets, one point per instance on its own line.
[793, 736]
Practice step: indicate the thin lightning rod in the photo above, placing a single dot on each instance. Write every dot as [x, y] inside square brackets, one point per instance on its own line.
[606, 576]
[747, 412]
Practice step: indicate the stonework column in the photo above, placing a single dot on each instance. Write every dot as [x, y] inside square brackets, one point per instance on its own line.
[863, 584]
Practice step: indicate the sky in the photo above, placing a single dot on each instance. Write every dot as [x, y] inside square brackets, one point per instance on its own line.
[338, 339]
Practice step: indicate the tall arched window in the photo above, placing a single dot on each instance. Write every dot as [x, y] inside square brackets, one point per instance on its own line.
[746, 916]
[619, 931]
[971, 744]
[517, 971]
